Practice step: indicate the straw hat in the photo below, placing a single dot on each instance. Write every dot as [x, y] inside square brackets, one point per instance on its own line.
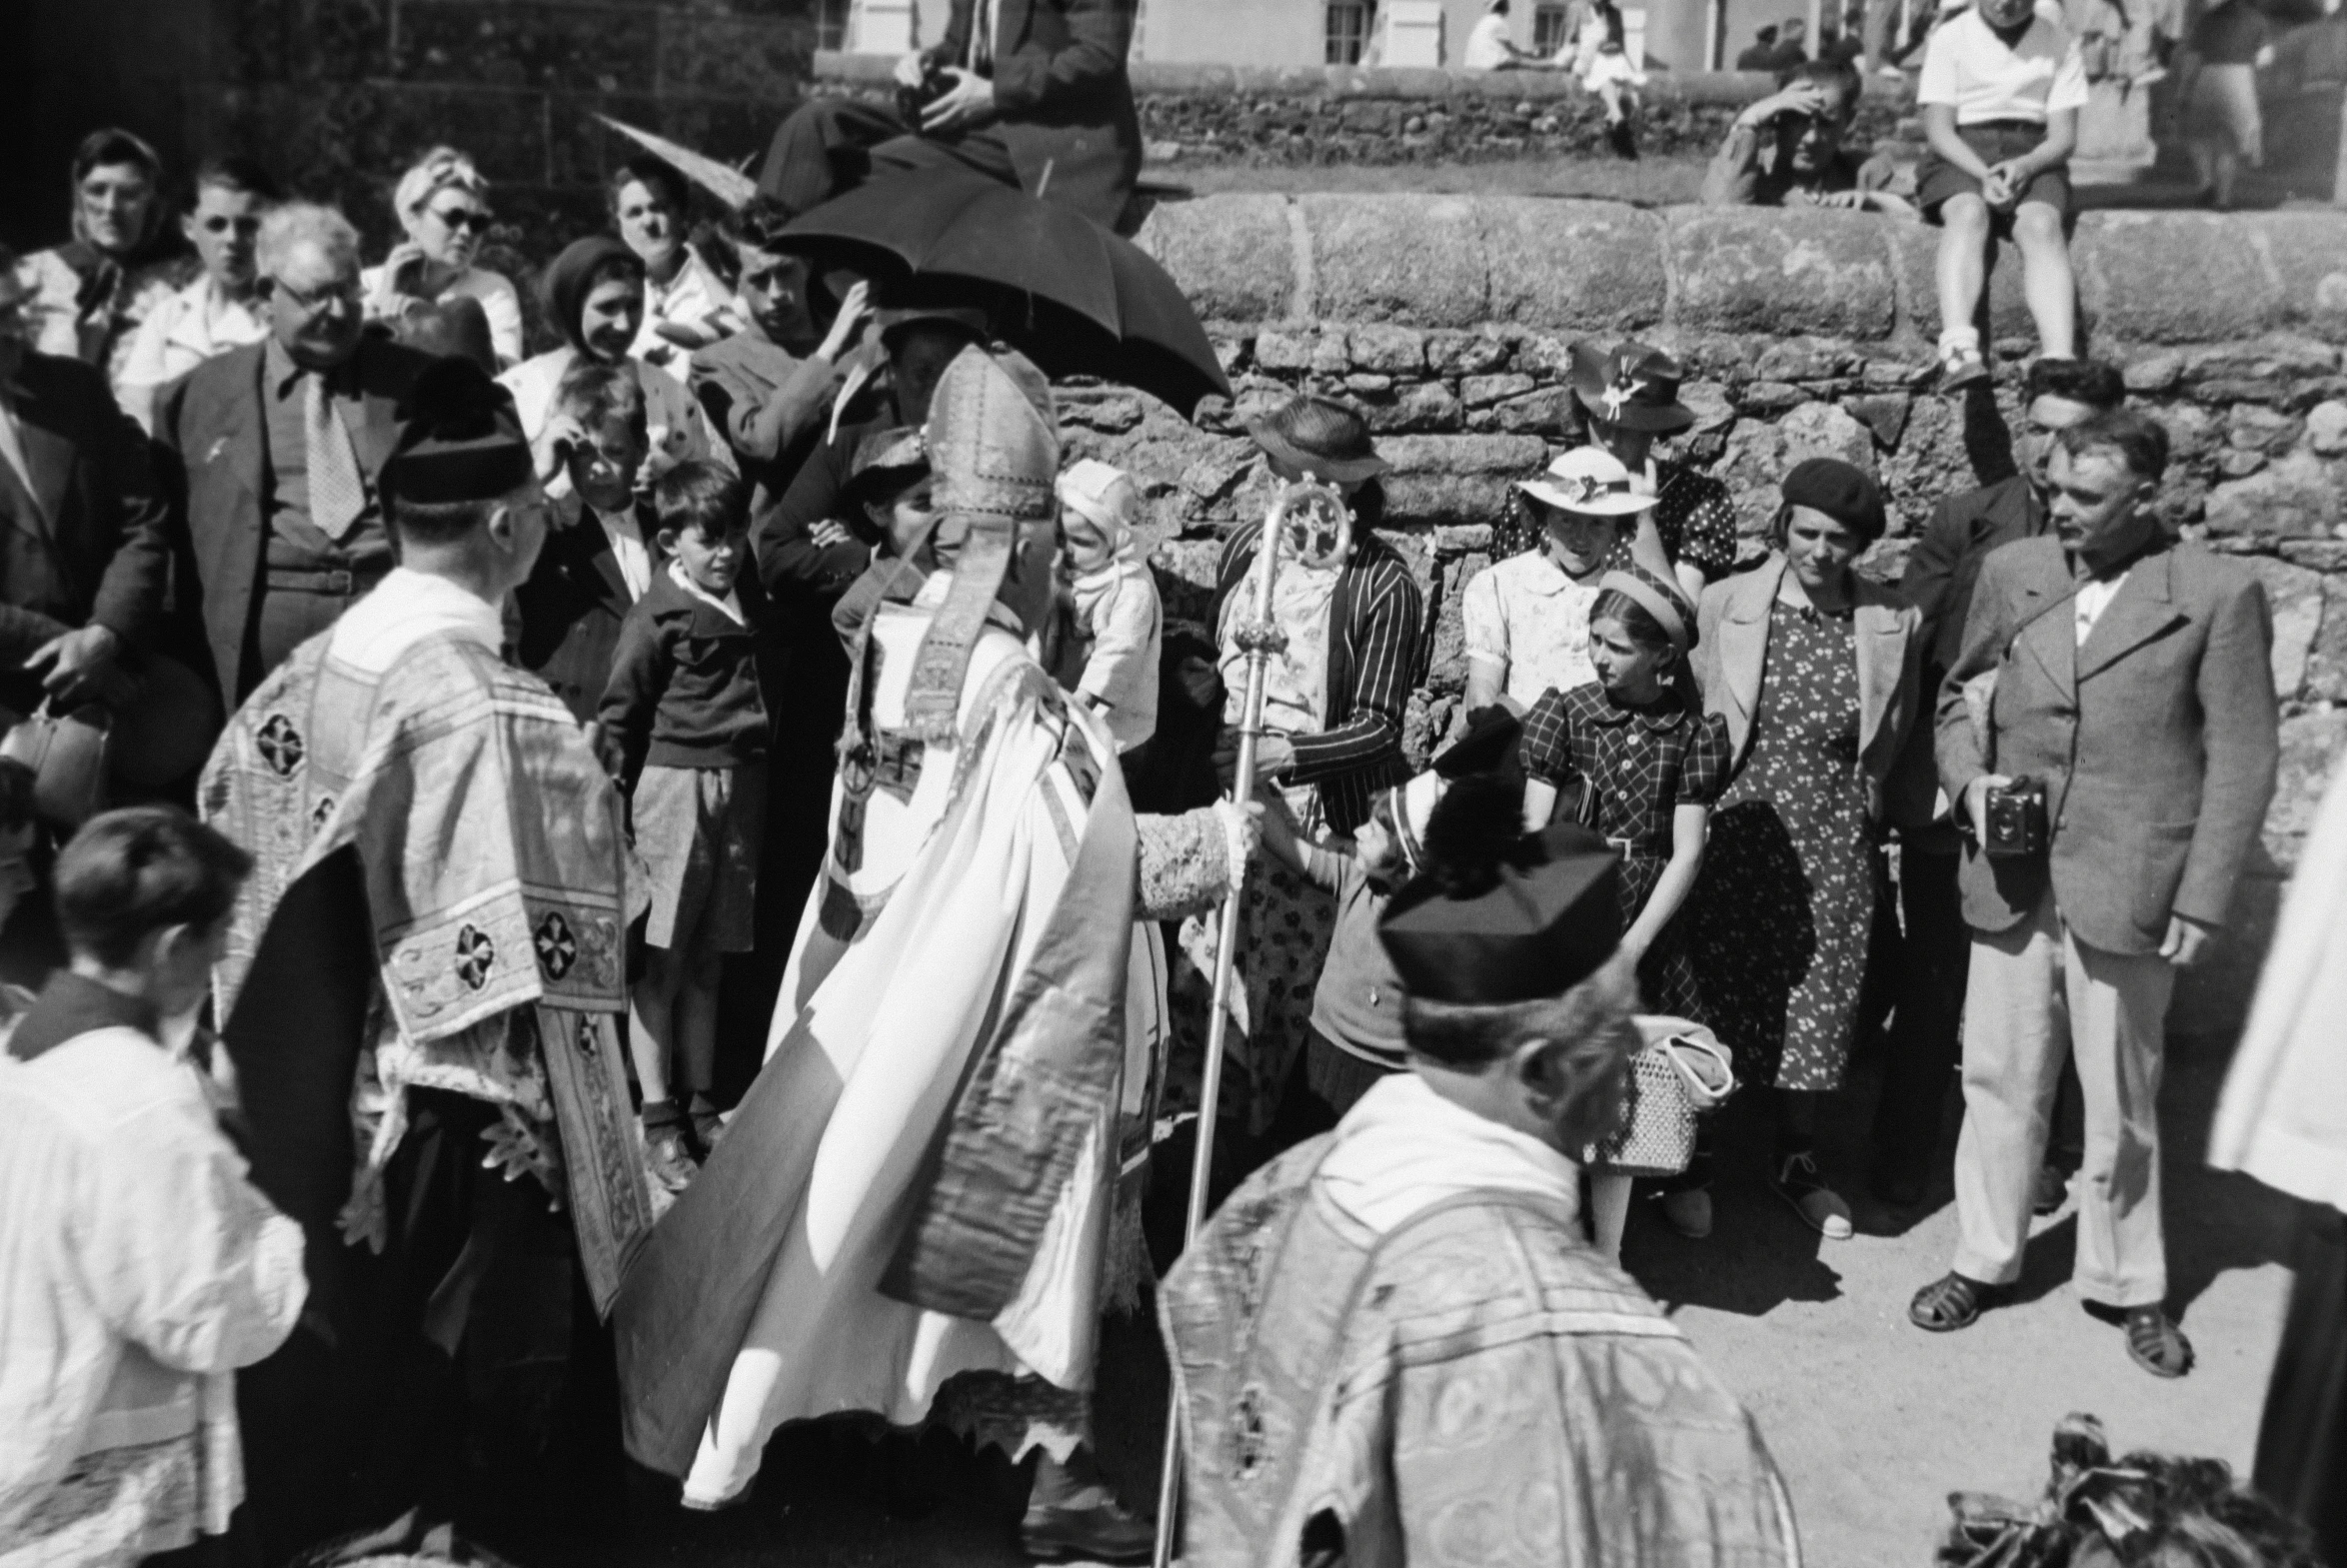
[1587, 480]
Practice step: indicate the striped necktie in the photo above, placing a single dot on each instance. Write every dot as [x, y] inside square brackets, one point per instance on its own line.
[338, 494]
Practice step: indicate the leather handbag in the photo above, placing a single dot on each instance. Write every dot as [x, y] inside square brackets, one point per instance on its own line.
[66, 755]
[1682, 1072]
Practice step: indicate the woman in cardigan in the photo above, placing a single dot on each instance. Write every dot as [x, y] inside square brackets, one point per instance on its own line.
[1333, 706]
[1814, 670]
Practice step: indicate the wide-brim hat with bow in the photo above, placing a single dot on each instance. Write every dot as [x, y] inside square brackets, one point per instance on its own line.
[1320, 438]
[1632, 385]
[1588, 480]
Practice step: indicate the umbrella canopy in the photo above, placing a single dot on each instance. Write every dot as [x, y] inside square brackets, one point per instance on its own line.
[727, 184]
[1075, 298]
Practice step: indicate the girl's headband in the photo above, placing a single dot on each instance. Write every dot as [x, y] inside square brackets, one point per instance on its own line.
[1668, 610]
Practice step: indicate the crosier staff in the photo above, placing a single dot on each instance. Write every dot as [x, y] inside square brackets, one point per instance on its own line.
[1313, 522]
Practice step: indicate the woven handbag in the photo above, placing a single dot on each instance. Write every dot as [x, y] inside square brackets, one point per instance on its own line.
[1682, 1072]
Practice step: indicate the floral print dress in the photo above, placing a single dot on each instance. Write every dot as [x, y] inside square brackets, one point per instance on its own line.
[1786, 900]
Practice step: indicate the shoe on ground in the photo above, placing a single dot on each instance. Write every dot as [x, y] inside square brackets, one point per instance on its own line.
[1961, 366]
[2049, 1191]
[670, 1156]
[2148, 76]
[1090, 1526]
[1951, 1303]
[1891, 73]
[1821, 1207]
[707, 1127]
[1687, 1211]
[2155, 1342]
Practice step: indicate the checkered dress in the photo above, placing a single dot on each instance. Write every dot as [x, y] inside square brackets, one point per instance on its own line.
[1644, 763]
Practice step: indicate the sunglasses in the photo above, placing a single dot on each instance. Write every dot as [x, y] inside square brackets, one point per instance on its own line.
[222, 225]
[468, 220]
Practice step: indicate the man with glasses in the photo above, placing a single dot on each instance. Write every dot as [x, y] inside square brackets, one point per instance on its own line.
[84, 533]
[218, 311]
[277, 449]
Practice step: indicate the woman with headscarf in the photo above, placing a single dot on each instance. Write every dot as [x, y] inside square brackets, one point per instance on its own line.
[594, 293]
[88, 297]
[442, 205]
[1814, 669]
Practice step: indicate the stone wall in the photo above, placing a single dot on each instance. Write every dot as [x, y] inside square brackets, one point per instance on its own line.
[1321, 115]
[1447, 321]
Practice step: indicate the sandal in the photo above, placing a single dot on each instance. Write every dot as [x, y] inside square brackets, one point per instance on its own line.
[2156, 1344]
[1961, 365]
[1950, 1302]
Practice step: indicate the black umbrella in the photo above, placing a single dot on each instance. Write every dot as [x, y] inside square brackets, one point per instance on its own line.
[1076, 299]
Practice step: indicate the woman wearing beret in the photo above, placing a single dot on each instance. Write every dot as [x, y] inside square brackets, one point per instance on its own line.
[1335, 700]
[1814, 669]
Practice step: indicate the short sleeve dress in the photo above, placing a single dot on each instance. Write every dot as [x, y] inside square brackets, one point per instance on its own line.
[1783, 911]
[1642, 763]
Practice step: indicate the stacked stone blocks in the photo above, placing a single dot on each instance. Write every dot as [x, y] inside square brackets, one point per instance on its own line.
[1447, 320]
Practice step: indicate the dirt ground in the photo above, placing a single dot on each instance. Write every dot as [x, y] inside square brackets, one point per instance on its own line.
[1873, 1421]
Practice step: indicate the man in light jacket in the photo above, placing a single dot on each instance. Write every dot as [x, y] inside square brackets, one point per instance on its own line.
[2131, 680]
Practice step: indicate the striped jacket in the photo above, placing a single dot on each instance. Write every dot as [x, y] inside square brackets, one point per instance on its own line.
[1377, 654]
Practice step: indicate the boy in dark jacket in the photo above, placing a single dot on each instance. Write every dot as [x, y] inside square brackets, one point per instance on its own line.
[685, 722]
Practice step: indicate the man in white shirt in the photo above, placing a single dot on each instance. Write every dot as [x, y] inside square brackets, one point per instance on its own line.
[218, 310]
[2001, 93]
[1488, 46]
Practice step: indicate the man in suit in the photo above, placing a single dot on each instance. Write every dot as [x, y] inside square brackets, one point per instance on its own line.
[2131, 679]
[1937, 949]
[84, 534]
[276, 449]
[601, 553]
[1040, 100]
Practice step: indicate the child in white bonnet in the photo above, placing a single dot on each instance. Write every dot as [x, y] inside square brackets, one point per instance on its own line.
[1117, 607]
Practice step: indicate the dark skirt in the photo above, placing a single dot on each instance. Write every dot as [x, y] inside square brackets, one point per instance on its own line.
[1936, 178]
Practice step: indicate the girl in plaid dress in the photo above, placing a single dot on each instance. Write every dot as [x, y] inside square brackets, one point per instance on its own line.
[1634, 757]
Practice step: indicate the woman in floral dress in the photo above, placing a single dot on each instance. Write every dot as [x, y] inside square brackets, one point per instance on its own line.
[1814, 670]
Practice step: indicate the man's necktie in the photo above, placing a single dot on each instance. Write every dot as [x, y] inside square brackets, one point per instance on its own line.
[338, 495]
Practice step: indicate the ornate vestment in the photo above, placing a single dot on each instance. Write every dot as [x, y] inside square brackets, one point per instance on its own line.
[921, 1182]
[461, 801]
[1466, 1385]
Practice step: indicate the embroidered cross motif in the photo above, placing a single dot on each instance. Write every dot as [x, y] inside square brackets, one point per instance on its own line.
[898, 767]
[475, 954]
[557, 947]
[1246, 1433]
[321, 812]
[280, 745]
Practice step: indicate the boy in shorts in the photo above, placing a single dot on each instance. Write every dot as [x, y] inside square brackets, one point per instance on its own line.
[685, 725]
[2001, 89]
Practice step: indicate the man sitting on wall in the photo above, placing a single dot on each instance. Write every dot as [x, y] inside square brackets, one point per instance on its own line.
[1786, 150]
[1040, 100]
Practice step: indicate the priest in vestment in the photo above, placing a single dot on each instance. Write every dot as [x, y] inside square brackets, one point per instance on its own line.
[1393, 1345]
[422, 989]
[911, 1212]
